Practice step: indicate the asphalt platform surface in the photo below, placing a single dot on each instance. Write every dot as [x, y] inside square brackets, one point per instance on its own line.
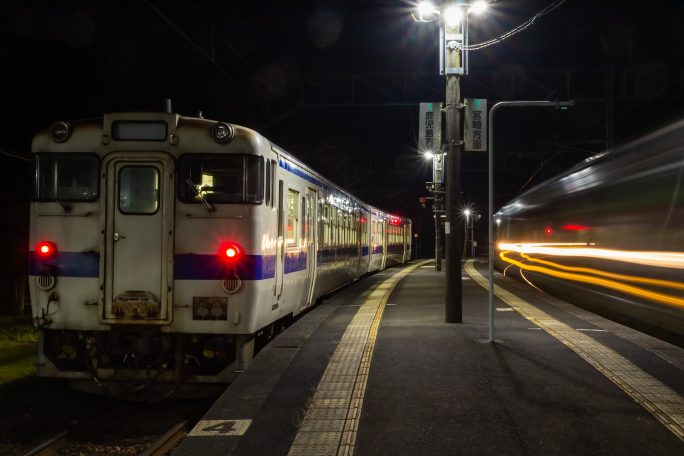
[436, 388]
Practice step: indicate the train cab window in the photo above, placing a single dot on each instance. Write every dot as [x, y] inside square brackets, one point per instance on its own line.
[66, 177]
[221, 178]
[139, 190]
[292, 216]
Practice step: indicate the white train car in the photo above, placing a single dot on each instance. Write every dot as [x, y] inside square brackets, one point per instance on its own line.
[162, 245]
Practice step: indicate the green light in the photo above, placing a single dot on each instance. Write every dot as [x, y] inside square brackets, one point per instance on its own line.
[430, 107]
[477, 102]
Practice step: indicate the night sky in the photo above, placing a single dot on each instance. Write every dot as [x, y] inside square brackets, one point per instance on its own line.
[338, 85]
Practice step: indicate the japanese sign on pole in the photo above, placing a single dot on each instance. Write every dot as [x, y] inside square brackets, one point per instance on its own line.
[430, 127]
[475, 132]
[430, 137]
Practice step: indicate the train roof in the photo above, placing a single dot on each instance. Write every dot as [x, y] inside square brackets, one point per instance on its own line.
[609, 167]
[95, 128]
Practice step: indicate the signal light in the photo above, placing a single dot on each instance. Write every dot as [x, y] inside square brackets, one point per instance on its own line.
[230, 252]
[46, 249]
[548, 230]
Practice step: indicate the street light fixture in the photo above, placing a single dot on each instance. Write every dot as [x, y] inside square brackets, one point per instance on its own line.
[453, 16]
[426, 12]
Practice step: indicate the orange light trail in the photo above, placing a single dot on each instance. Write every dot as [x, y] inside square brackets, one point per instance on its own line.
[659, 259]
[627, 278]
[617, 286]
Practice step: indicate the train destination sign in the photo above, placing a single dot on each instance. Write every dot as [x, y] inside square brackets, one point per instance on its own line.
[475, 130]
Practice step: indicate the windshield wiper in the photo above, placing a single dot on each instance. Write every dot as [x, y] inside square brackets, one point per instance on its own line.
[199, 195]
[65, 206]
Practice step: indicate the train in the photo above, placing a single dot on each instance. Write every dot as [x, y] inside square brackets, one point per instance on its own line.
[607, 234]
[164, 247]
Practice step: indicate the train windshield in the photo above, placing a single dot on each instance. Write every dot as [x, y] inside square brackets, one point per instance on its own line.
[66, 177]
[221, 178]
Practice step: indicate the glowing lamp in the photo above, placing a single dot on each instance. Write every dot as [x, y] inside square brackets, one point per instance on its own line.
[478, 7]
[46, 249]
[453, 16]
[426, 11]
[230, 252]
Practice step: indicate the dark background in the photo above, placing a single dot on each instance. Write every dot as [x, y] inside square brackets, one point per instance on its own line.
[337, 83]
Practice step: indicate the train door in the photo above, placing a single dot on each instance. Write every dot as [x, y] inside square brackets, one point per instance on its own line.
[280, 244]
[383, 233]
[137, 238]
[309, 235]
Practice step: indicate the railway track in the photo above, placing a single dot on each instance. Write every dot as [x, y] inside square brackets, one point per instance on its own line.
[61, 444]
[125, 429]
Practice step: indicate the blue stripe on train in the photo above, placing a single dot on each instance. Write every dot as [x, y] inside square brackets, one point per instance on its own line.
[66, 264]
[191, 266]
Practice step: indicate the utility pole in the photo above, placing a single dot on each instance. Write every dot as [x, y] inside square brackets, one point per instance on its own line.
[453, 41]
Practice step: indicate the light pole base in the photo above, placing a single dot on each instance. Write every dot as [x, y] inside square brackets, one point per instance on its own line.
[490, 341]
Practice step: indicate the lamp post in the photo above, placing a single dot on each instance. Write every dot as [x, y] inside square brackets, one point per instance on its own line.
[453, 20]
[490, 141]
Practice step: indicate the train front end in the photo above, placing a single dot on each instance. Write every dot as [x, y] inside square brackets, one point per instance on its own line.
[145, 246]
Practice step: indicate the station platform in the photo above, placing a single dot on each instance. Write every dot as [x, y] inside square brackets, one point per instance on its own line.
[375, 370]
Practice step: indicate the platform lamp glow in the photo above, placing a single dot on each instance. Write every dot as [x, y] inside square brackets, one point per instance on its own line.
[453, 31]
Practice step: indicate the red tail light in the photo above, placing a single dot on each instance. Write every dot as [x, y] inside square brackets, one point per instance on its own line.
[230, 252]
[46, 249]
[549, 230]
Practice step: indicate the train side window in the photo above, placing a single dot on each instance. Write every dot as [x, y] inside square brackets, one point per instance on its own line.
[333, 226]
[280, 209]
[347, 224]
[268, 195]
[320, 225]
[292, 216]
[274, 169]
[269, 180]
[326, 224]
[305, 225]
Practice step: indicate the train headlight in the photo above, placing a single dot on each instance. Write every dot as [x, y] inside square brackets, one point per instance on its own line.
[46, 249]
[60, 131]
[222, 132]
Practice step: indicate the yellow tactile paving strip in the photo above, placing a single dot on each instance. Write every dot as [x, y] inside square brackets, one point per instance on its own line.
[662, 402]
[331, 421]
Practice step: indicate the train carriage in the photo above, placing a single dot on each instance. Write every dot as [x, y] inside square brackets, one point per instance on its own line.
[161, 245]
[607, 234]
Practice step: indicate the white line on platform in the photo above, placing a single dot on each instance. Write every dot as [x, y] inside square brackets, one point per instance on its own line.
[653, 395]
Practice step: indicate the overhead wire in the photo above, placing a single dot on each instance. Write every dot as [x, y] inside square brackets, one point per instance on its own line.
[516, 30]
[14, 155]
[206, 55]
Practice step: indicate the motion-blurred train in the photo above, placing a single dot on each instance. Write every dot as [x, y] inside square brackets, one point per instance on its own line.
[161, 246]
[608, 234]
